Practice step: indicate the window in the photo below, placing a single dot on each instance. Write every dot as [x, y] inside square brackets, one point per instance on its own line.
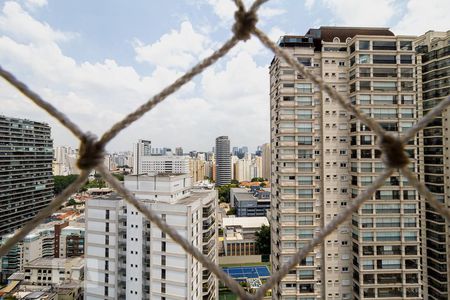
[384, 86]
[384, 45]
[364, 45]
[384, 59]
[364, 85]
[364, 59]
[405, 45]
[304, 100]
[305, 193]
[406, 59]
[306, 61]
[304, 87]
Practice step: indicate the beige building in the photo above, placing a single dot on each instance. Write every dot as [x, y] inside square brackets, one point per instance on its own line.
[433, 63]
[323, 157]
[197, 169]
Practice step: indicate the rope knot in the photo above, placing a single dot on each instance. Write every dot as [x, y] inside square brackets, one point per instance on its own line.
[91, 152]
[394, 155]
[245, 23]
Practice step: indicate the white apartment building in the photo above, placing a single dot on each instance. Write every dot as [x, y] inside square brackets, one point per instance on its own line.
[145, 160]
[129, 257]
[323, 158]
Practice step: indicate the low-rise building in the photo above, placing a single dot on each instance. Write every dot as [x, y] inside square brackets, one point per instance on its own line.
[239, 235]
[250, 202]
[52, 271]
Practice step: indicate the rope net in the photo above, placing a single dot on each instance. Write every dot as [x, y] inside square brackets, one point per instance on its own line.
[92, 152]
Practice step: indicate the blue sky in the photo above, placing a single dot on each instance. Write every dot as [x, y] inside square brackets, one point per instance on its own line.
[99, 60]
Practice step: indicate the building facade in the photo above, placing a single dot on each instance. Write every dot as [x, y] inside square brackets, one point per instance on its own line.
[26, 181]
[46, 241]
[433, 63]
[266, 160]
[223, 161]
[239, 235]
[128, 257]
[323, 157]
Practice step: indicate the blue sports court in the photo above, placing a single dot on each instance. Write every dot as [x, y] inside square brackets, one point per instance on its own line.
[247, 272]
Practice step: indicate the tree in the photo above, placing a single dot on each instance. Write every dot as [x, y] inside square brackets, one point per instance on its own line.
[231, 211]
[72, 202]
[263, 240]
[257, 179]
[119, 176]
[61, 182]
[263, 184]
[234, 181]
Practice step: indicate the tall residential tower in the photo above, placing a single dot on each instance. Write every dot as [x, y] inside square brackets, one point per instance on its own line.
[223, 161]
[323, 157]
[26, 181]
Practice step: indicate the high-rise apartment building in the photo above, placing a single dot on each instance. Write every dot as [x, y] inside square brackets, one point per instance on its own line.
[433, 63]
[26, 182]
[223, 161]
[130, 258]
[179, 151]
[323, 158]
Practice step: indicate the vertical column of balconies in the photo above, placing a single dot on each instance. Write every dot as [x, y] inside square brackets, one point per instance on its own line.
[336, 253]
[385, 231]
[435, 67]
[294, 198]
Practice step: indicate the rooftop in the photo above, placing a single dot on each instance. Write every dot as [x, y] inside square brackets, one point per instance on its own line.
[47, 262]
[245, 222]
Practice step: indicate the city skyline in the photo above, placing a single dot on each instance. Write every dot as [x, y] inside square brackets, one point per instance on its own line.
[78, 61]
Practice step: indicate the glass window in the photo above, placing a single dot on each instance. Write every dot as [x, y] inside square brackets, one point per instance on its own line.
[364, 85]
[405, 45]
[384, 99]
[304, 87]
[384, 45]
[406, 59]
[305, 193]
[304, 114]
[364, 45]
[304, 100]
[384, 72]
[364, 59]
[384, 59]
[384, 86]
[306, 61]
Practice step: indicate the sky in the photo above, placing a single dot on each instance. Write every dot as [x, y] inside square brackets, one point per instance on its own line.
[99, 60]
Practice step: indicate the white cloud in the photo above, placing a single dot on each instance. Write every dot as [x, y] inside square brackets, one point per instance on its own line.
[361, 12]
[269, 12]
[223, 9]
[421, 16]
[232, 100]
[36, 3]
[178, 49]
[17, 23]
[309, 4]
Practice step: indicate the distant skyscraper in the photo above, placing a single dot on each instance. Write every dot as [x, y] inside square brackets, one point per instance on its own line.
[223, 161]
[178, 151]
[26, 171]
